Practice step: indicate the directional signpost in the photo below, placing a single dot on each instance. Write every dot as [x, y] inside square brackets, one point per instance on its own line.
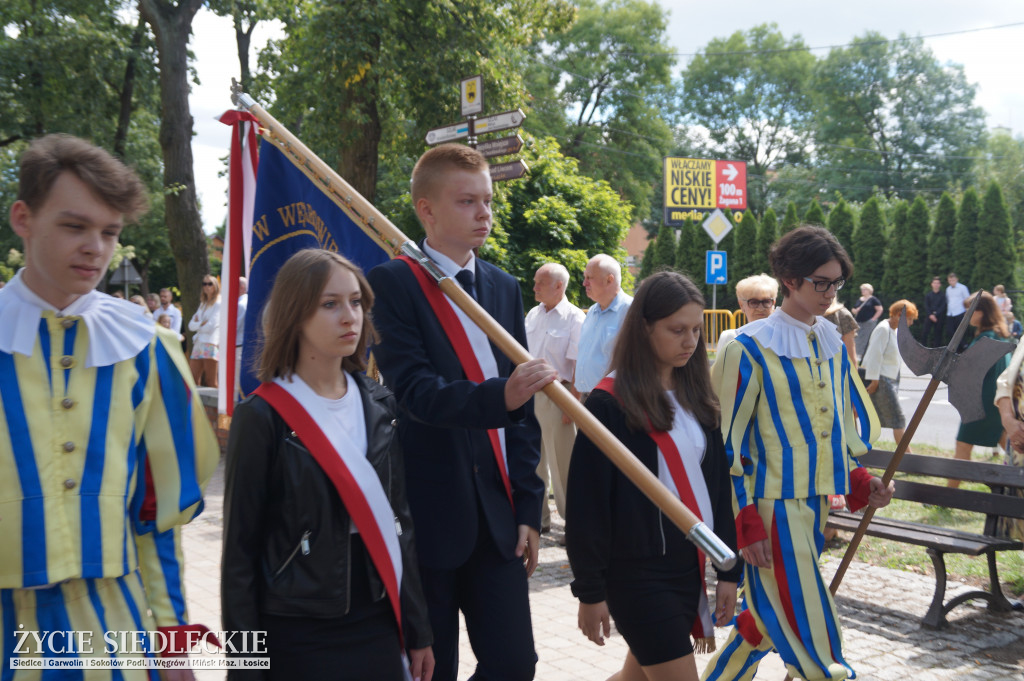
[448, 133]
[471, 92]
[503, 146]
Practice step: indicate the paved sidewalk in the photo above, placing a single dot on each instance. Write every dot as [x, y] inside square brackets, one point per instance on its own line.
[880, 610]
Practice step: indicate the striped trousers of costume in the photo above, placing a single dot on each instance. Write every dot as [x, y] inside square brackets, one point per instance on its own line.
[787, 607]
[76, 605]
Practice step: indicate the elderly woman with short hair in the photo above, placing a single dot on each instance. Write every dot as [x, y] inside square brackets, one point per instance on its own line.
[756, 296]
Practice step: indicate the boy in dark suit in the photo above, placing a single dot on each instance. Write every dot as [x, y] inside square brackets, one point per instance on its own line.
[471, 441]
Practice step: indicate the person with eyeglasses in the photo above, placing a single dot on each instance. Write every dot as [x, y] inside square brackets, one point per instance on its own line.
[756, 296]
[205, 323]
[795, 416]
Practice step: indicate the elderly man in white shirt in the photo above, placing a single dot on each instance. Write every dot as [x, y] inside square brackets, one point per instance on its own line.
[553, 333]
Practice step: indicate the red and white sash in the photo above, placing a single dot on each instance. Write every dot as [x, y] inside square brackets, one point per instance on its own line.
[703, 631]
[458, 335]
[349, 471]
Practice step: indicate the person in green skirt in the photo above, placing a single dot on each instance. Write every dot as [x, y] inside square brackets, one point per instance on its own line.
[988, 431]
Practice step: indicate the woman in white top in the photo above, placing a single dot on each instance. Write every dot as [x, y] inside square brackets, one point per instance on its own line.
[882, 369]
[206, 325]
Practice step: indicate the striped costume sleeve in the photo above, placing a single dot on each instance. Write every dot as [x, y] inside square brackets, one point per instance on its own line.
[178, 453]
[858, 440]
[737, 380]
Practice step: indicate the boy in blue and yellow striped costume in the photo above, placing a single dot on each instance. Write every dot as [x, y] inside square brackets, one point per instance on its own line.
[104, 445]
[790, 405]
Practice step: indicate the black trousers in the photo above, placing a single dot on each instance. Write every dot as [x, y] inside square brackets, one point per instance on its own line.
[951, 324]
[933, 333]
[493, 595]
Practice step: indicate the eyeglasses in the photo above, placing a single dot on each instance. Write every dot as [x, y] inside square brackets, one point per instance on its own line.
[759, 303]
[822, 286]
[207, 283]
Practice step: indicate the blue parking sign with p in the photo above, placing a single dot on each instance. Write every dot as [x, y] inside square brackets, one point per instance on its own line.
[716, 268]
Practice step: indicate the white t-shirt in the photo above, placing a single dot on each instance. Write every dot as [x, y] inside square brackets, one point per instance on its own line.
[348, 413]
[689, 439]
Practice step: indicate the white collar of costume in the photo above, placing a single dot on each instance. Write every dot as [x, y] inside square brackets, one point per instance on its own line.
[356, 462]
[789, 337]
[118, 329]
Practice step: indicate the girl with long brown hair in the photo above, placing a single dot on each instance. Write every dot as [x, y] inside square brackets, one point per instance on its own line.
[629, 562]
[318, 539]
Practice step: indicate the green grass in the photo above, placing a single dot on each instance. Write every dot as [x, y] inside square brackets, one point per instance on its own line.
[972, 569]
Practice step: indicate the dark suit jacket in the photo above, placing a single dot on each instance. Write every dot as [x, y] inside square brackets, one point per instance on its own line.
[450, 466]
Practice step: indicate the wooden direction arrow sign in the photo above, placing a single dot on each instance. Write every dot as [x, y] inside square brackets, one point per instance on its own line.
[502, 146]
[448, 133]
[501, 121]
[508, 171]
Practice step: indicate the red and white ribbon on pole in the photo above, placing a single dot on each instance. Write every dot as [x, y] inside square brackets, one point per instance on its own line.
[237, 246]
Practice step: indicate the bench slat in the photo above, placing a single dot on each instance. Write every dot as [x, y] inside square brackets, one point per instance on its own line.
[988, 503]
[918, 534]
[996, 474]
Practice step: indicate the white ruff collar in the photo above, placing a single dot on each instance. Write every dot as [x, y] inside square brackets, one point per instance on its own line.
[789, 337]
[118, 329]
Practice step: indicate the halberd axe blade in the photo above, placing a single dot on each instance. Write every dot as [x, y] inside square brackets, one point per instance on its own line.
[963, 373]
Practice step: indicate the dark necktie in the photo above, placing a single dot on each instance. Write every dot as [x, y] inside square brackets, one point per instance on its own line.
[466, 279]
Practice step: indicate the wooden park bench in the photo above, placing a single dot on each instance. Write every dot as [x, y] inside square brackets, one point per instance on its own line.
[939, 540]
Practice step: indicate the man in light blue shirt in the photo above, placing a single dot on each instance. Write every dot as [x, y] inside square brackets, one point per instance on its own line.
[602, 279]
[956, 297]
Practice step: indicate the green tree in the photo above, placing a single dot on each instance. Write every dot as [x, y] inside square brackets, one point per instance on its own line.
[869, 243]
[767, 233]
[743, 250]
[647, 264]
[555, 213]
[693, 242]
[172, 27]
[995, 253]
[389, 70]
[890, 115]
[909, 240]
[840, 223]
[245, 15]
[665, 248]
[1002, 163]
[602, 88]
[965, 236]
[750, 91]
[790, 220]
[940, 243]
[815, 215]
[890, 280]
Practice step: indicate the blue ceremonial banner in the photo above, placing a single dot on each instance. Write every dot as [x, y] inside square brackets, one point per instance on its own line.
[291, 214]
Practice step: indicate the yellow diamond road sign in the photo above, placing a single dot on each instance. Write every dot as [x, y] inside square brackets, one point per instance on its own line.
[717, 226]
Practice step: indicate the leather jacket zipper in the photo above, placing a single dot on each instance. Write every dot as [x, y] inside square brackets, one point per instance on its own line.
[302, 546]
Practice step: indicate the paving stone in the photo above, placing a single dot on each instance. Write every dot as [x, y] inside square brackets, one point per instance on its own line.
[880, 610]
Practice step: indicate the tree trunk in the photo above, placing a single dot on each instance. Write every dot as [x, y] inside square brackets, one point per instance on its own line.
[128, 89]
[172, 24]
[243, 38]
[358, 164]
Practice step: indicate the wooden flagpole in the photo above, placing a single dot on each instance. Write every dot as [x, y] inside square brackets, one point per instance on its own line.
[391, 239]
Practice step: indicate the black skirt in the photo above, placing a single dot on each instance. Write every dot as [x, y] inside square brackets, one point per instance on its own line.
[654, 608]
